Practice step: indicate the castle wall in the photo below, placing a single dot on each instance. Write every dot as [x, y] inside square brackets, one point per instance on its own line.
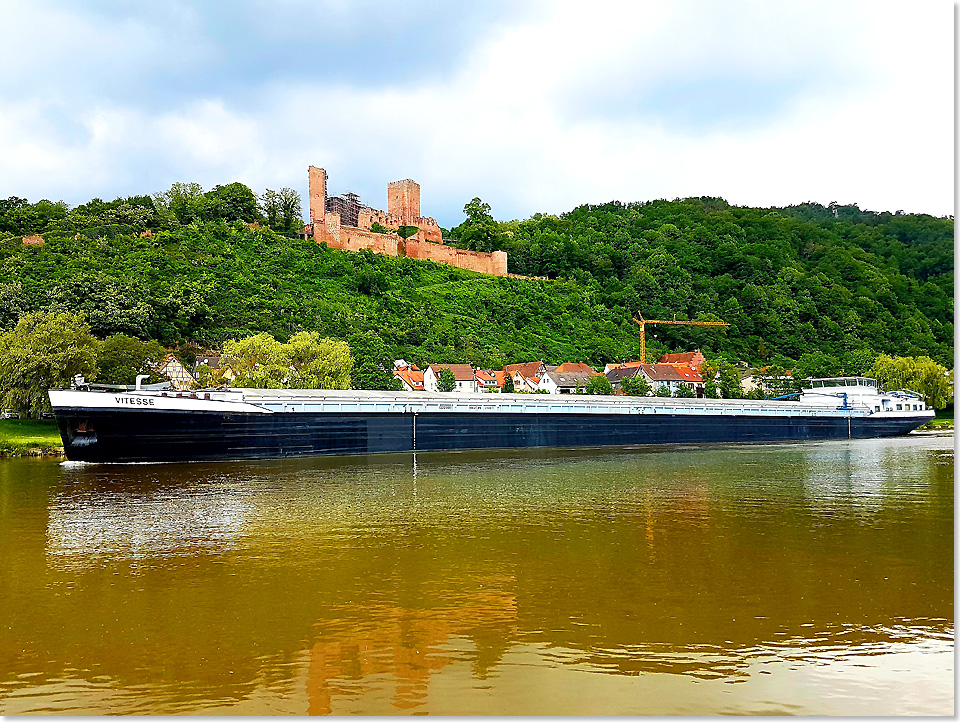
[327, 230]
[429, 228]
[494, 263]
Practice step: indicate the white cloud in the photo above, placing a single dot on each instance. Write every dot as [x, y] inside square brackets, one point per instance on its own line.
[849, 102]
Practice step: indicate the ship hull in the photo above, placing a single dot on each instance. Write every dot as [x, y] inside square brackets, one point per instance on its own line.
[132, 435]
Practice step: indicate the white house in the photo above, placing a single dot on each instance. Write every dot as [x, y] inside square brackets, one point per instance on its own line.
[567, 378]
[463, 373]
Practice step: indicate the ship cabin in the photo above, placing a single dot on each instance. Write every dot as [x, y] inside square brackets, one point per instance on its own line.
[861, 391]
[844, 381]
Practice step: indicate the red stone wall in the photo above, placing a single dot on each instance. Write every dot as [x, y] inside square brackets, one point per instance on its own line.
[318, 192]
[327, 230]
[494, 263]
[403, 200]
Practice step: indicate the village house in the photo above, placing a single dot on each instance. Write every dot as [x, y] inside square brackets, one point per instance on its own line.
[463, 373]
[567, 378]
[672, 376]
[211, 360]
[490, 381]
[621, 365]
[616, 373]
[410, 375]
[180, 378]
[526, 376]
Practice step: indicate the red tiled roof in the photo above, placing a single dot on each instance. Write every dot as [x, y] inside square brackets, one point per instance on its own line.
[689, 373]
[413, 379]
[672, 372]
[461, 372]
[491, 378]
[687, 357]
[579, 368]
[662, 372]
[622, 365]
[527, 370]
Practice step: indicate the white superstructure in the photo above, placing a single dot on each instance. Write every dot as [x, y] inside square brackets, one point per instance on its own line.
[861, 393]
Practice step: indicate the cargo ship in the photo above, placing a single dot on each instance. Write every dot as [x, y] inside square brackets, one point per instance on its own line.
[150, 425]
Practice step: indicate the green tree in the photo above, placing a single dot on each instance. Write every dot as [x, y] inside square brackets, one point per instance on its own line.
[599, 385]
[207, 378]
[508, 387]
[635, 386]
[720, 379]
[43, 351]
[923, 375]
[122, 358]
[480, 231]
[817, 364]
[407, 231]
[13, 304]
[446, 381]
[685, 392]
[232, 202]
[663, 391]
[306, 362]
[371, 361]
[319, 363]
[282, 209]
[110, 305]
[258, 362]
[183, 202]
[775, 381]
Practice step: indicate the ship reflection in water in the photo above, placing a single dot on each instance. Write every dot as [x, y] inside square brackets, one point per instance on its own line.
[806, 579]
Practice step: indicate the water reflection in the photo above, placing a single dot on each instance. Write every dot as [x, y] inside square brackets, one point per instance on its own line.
[650, 581]
[92, 523]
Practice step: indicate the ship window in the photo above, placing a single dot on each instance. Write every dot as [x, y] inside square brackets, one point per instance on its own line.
[877, 408]
[899, 407]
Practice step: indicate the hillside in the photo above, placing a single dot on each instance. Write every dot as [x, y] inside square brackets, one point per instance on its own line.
[790, 281]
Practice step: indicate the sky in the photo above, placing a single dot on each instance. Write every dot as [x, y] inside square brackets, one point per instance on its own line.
[533, 106]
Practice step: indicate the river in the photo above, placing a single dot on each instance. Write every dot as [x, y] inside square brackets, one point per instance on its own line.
[812, 579]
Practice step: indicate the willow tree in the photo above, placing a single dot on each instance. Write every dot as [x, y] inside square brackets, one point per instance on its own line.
[307, 361]
[921, 374]
[44, 351]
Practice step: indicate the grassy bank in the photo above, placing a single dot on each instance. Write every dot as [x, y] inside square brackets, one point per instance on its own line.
[942, 421]
[26, 437]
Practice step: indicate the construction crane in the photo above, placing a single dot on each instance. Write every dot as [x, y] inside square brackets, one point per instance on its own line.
[643, 330]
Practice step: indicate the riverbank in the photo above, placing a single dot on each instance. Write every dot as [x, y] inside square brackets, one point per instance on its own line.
[942, 422]
[28, 437]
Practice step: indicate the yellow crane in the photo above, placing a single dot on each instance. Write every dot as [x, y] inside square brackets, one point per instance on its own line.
[643, 330]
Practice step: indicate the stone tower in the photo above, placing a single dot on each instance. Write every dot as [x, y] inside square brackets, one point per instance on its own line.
[317, 182]
[403, 200]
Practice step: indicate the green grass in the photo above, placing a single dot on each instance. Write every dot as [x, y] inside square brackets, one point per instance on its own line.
[26, 437]
[942, 421]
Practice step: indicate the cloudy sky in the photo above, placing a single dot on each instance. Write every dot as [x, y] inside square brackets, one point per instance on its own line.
[532, 106]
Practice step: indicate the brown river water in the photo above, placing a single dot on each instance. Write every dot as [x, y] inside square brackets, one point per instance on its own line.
[813, 579]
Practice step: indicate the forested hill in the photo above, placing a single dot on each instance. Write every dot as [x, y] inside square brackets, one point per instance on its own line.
[790, 281]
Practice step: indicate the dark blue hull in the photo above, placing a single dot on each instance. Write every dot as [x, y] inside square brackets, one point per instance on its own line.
[133, 435]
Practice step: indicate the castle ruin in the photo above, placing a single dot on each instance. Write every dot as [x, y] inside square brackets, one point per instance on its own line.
[342, 222]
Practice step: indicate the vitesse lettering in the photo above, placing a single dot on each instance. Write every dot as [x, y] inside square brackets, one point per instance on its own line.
[134, 400]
